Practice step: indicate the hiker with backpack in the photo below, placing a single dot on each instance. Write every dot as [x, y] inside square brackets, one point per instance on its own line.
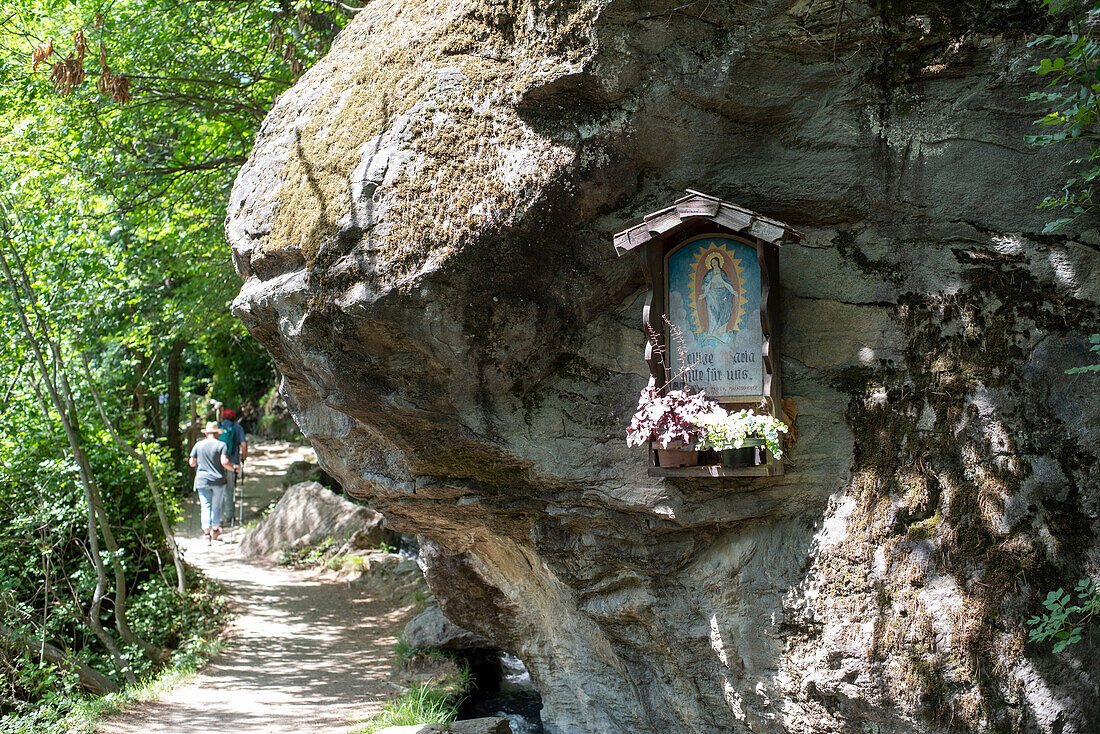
[209, 458]
[232, 435]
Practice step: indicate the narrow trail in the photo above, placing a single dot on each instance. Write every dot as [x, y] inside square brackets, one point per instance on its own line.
[304, 654]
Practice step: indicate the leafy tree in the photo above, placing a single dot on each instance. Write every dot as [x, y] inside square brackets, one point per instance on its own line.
[140, 180]
[122, 125]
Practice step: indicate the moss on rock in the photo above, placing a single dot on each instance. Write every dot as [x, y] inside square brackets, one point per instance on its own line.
[440, 81]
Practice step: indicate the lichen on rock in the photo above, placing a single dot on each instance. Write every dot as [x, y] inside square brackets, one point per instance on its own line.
[427, 104]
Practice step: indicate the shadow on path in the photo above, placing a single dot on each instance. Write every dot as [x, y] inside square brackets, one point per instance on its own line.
[304, 655]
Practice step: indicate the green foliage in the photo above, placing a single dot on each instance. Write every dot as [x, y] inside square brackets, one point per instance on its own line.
[77, 713]
[177, 622]
[1073, 108]
[232, 367]
[456, 679]
[423, 704]
[44, 577]
[403, 651]
[340, 562]
[435, 701]
[1065, 622]
[308, 555]
[1094, 346]
[324, 554]
[116, 211]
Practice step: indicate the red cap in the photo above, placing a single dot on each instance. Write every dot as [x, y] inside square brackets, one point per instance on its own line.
[227, 413]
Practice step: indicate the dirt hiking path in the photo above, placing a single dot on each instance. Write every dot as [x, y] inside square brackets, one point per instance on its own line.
[304, 654]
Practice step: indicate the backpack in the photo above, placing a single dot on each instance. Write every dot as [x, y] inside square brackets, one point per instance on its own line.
[228, 436]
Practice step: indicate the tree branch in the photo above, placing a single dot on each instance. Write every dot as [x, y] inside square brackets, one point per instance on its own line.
[90, 678]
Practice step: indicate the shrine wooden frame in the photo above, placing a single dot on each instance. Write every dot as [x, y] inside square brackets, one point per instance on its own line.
[692, 217]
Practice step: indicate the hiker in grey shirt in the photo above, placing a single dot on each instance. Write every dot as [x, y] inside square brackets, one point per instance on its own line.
[208, 458]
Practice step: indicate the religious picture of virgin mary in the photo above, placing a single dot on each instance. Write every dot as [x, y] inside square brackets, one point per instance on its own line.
[714, 300]
[720, 299]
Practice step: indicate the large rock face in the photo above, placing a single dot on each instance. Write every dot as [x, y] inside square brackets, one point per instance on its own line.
[424, 230]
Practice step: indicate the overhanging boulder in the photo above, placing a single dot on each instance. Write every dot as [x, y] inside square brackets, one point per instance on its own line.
[425, 232]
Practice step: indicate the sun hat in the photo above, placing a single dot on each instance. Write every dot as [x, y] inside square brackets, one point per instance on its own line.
[212, 427]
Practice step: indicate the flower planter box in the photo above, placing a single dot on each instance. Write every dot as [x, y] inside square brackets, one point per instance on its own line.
[676, 456]
[752, 453]
[758, 463]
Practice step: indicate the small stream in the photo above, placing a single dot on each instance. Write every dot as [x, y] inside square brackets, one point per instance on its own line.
[503, 687]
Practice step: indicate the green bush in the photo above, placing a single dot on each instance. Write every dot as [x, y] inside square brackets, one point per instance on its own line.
[1064, 621]
[46, 579]
[424, 704]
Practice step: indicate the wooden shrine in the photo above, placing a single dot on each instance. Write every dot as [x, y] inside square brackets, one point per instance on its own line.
[712, 270]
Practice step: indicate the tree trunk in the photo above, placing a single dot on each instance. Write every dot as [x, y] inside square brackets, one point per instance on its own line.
[65, 406]
[150, 479]
[90, 678]
[193, 428]
[145, 403]
[172, 421]
[100, 591]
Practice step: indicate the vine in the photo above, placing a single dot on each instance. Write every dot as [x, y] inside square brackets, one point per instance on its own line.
[1074, 107]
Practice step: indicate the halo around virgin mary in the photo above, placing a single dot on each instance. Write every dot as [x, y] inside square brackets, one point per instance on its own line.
[719, 296]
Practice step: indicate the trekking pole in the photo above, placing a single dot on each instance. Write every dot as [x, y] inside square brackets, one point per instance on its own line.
[240, 493]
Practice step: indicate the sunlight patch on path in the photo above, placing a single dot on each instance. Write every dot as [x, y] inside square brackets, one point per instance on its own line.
[304, 654]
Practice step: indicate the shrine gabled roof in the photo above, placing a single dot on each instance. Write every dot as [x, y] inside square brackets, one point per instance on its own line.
[696, 206]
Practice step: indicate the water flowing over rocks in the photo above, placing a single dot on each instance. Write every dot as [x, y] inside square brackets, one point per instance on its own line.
[424, 232]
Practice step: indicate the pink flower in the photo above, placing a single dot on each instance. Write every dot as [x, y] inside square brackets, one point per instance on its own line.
[668, 418]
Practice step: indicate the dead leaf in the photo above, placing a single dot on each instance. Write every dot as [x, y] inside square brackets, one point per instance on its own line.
[80, 46]
[67, 74]
[41, 53]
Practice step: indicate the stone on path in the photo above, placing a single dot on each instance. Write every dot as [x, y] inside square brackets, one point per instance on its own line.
[487, 725]
[308, 514]
[431, 629]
